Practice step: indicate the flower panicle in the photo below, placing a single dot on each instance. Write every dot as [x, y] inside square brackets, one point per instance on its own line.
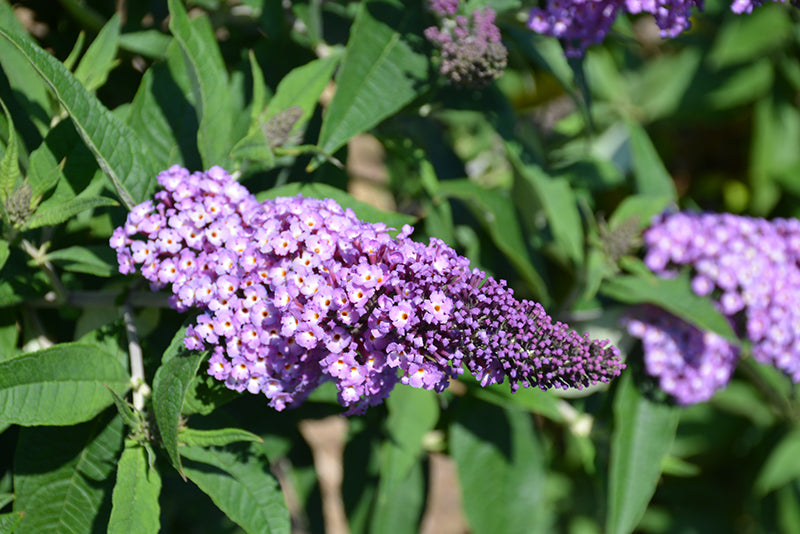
[297, 291]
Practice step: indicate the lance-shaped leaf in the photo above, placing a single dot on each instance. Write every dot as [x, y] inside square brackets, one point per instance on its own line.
[170, 385]
[218, 437]
[209, 83]
[384, 69]
[9, 165]
[63, 476]
[135, 508]
[100, 57]
[237, 480]
[124, 160]
[10, 521]
[61, 385]
[643, 435]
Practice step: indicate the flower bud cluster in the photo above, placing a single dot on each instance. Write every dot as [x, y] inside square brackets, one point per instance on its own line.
[750, 267]
[296, 291]
[582, 23]
[471, 48]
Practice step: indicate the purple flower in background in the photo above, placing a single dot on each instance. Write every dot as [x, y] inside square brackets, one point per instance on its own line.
[298, 291]
[749, 267]
[582, 23]
[472, 53]
[691, 365]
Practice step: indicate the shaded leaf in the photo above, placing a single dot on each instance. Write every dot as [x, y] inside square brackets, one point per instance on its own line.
[9, 165]
[61, 385]
[209, 83]
[643, 434]
[63, 476]
[100, 57]
[97, 260]
[651, 177]
[10, 521]
[135, 508]
[150, 43]
[781, 466]
[237, 481]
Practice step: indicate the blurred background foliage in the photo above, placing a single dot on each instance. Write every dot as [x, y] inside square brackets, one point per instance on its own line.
[544, 178]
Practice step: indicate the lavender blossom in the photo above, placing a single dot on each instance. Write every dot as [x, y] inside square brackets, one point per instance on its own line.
[749, 267]
[472, 53]
[690, 365]
[297, 291]
[582, 23]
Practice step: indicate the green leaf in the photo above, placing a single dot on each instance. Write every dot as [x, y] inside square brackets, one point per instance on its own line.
[261, 93]
[96, 260]
[412, 414]
[643, 434]
[58, 214]
[501, 468]
[381, 72]
[302, 87]
[533, 400]
[675, 296]
[495, 211]
[123, 159]
[61, 385]
[254, 147]
[63, 476]
[206, 394]
[124, 409]
[781, 466]
[238, 482]
[9, 165]
[150, 43]
[170, 385]
[100, 57]
[44, 171]
[559, 204]
[10, 521]
[215, 438]
[209, 83]
[135, 499]
[744, 39]
[5, 499]
[5, 252]
[645, 207]
[650, 175]
[364, 211]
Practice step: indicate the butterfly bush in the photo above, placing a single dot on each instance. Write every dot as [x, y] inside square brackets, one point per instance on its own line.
[296, 291]
[472, 53]
[750, 268]
[582, 23]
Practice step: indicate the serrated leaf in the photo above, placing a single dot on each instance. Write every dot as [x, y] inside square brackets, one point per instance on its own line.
[67, 210]
[501, 468]
[10, 521]
[44, 171]
[209, 83]
[651, 177]
[643, 434]
[675, 296]
[123, 159]
[97, 260]
[9, 165]
[364, 211]
[63, 476]
[99, 59]
[496, 212]
[135, 508]
[61, 385]
[170, 385]
[215, 438]
[237, 480]
[380, 73]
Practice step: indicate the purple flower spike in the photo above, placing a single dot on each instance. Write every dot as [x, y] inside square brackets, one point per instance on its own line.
[297, 291]
[749, 267]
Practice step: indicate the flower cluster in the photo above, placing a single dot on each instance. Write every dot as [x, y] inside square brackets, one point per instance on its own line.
[582, 23]
[471, 49]
[750, 268]
[296, 291]
[690, 365]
